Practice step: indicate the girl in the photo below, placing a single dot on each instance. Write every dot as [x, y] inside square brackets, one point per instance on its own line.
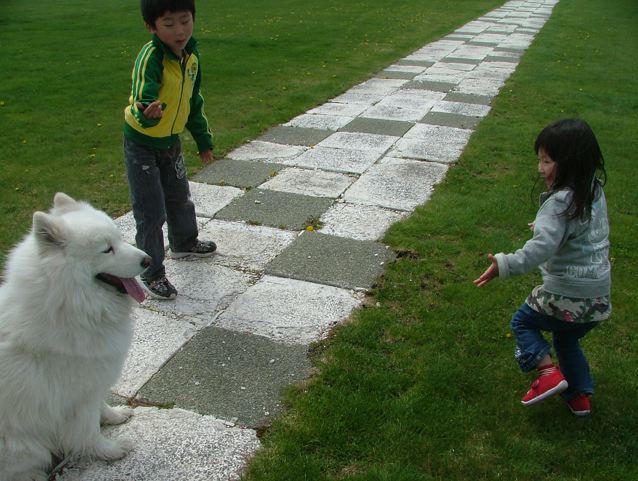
[571, 246]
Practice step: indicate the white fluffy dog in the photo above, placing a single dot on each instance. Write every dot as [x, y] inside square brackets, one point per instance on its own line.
[65, 331]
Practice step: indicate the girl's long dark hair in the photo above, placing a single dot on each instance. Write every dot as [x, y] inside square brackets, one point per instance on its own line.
[571, 143]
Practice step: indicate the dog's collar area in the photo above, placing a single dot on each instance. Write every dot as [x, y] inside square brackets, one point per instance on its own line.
[112, 281]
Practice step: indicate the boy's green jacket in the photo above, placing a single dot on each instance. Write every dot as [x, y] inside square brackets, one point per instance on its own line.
[158, 74]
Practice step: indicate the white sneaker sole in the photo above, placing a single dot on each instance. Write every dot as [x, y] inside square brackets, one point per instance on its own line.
[182, 255]
[560, 387]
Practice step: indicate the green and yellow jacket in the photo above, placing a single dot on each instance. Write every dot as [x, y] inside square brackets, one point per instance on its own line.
[159, 74]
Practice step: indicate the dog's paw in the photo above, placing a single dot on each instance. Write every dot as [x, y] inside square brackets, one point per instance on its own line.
[115, 415]
[112, 450]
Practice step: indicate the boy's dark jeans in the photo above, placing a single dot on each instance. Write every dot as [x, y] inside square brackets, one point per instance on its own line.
[159, 193]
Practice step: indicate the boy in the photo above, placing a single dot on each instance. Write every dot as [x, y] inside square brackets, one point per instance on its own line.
[165, 99]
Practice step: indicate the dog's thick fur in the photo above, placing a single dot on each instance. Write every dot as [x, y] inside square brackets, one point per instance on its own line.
[65, 330]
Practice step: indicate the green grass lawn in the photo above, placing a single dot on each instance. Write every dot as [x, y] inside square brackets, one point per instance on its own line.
[67, 70]
[423, 385]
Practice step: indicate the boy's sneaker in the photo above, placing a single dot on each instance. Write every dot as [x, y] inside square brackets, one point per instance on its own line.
[201, 249]
[579, 405]
[550, 381]
[160, 288]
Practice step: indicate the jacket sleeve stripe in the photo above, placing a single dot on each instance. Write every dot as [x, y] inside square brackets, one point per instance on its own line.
[139, 72]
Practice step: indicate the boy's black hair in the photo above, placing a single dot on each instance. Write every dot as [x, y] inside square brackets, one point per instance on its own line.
[571, 143]
[153, 9]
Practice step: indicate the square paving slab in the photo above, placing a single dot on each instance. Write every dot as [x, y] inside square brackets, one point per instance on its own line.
[172, 444]
[237, 173]
[331, 260]
[267, 152]
[230, 375]
[320, 121]
[295, 135]
[358, 221]
[360, 142]
[432, 142]
[338, 160]
[245, 246]
[208, 199]
[451, 120]
[275, 209]
[400, 184]
[289, 311]
[316, 183]
[378, 126]
[204, 288]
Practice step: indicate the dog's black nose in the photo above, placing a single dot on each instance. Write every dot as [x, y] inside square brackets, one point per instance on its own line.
[147, 261]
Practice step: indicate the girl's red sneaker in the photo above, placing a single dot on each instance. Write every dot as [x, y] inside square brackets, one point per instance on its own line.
[580, 405]
[550, 381]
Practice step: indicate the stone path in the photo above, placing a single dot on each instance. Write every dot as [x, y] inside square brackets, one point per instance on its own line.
[239, 332]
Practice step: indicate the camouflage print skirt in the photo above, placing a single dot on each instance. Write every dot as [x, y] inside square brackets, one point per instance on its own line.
[569, 309]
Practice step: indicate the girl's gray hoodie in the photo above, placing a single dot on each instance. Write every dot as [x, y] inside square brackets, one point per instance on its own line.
[573, 255]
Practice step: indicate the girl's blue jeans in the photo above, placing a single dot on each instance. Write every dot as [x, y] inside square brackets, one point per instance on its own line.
[159, 192]
[527, 326]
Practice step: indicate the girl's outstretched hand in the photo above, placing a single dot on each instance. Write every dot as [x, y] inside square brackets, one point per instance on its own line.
[490, 273]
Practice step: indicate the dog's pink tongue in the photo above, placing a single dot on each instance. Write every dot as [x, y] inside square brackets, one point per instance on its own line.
[134, 289]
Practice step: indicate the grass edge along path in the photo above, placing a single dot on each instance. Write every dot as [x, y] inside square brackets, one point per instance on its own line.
[421, 385]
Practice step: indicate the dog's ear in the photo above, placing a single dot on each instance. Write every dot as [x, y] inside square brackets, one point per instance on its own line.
[49, 230]
[64, 203]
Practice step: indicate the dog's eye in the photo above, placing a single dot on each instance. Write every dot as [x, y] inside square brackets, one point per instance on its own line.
[108, 251]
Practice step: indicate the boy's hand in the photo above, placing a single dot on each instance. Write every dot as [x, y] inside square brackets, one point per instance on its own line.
[206, 156]
[152, 110]
[490, 273]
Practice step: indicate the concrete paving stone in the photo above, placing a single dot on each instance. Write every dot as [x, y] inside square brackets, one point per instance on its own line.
[489, 38]
[378, 126]
[126, 226]
[291, 311]
[500, 28]
[453, 67]
[393, 74]
[418, 63]
[295, 135]
[237, 173]
[267, 151]
[172, 444]
[472, 52]
[320, 121]
[378, 86]
[454, 59]
[316, 183]
[432, 142]
[209, 199]
[338, 108]
[331, 260]
[485, 87]
[391, 112]
[434, 86]
[338, 160]
[440, 78]
[451, 120]
[358, 221]
[468, 98]
[359, 141]
[393, 183]
[157, 336]
[200, 301]
[460, 36]
[361, 98]
[230, 375]
[405, 68]
[244, 246]
[501, 58]
[275, 209]
[461, 108]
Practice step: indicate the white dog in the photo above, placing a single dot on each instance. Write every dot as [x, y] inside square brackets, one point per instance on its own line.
[65, 331]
